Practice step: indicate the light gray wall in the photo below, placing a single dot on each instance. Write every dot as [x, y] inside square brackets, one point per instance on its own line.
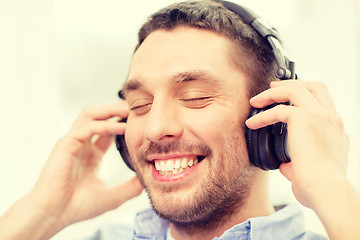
[58, 56]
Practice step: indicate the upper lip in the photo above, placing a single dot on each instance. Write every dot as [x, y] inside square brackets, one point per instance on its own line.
[171, 156]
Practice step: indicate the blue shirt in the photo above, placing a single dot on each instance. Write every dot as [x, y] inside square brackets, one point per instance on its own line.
[287, 223]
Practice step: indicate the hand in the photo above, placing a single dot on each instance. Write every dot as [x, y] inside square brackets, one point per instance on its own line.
[318, 145]
[69, 189]
[318, 149]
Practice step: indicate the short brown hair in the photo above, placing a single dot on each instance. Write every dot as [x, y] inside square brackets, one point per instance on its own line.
[250, 53]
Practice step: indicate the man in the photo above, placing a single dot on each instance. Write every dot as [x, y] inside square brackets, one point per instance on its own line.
[187, 101]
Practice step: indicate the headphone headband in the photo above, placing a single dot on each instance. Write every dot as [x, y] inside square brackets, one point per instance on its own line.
[286, 68]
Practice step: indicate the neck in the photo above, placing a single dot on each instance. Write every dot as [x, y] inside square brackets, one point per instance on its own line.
[257, 204]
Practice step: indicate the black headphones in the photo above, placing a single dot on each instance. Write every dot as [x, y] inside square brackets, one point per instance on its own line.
[267, 146]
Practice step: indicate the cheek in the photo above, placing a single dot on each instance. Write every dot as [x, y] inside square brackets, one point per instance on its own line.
[224, 132]
[215, 124]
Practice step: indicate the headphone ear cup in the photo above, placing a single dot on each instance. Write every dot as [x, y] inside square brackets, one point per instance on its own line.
[122, 148]
[251, 137]
[266, 149]
[267, 146]
[260, 149]
[280, 142]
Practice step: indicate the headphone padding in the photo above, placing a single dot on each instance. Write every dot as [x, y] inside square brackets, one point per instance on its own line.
[122, 148]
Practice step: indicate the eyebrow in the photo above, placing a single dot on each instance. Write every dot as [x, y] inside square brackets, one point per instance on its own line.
[189, 76]
[129, 85]
[182, 77]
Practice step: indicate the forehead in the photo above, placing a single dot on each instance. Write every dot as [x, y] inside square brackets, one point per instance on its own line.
[168, 54]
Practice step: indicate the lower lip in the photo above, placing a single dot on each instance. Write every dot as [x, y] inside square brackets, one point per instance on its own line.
[174, 177]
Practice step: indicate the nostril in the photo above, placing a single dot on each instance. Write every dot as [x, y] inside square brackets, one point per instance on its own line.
[168, 136]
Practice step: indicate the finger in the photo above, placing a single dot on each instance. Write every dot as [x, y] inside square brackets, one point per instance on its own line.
[86, 131]
[317, 89]
[279, 113]
[103, 142]
[128, 190]
[292, 92]
[103, 112]
[286, 169]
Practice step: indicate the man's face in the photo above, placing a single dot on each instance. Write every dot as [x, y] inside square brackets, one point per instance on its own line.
[185, 130]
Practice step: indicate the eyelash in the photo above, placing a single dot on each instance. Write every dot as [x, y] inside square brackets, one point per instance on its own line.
[141, 109]
[195, 99]
[140, 106]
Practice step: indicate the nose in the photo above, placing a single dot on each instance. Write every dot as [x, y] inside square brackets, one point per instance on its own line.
[163, 123]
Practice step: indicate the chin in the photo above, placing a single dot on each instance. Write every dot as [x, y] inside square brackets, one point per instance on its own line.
[204, 207]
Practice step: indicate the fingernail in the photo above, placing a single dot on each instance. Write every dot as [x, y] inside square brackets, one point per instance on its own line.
[253, 100]
[248, 122]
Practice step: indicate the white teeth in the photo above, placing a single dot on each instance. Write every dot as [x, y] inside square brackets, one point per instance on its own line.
[162, 166]
[169, 165]
[191, 163]
[177, 164]
[173, 166]
[184, 163]
[157, 165]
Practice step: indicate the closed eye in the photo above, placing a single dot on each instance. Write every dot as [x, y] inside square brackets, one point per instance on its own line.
[194, 99]
[140, 109]
[197, 102]
[140, 106]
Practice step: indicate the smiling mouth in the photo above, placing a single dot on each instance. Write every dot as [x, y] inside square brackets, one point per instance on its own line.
[176, 165]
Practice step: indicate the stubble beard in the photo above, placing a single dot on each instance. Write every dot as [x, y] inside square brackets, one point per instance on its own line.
[220, 195]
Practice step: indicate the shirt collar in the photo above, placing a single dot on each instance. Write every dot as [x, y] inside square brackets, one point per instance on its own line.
[287, 222]
[148, 225]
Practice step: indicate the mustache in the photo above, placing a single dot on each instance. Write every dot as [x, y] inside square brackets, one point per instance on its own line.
[176, 147]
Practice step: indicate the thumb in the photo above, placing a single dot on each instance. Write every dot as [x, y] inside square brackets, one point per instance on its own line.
[286, 169]
[128, 190]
